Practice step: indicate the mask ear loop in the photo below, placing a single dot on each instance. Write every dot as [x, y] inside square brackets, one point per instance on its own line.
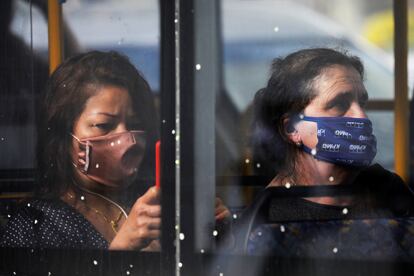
[87, 151]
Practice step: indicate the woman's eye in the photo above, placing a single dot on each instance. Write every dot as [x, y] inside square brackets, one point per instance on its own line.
[343, 106]
[104, 126]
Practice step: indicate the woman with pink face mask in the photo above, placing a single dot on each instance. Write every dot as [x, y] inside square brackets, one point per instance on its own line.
[95, 157]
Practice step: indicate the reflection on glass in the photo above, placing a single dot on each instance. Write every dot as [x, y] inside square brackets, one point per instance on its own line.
[23, 75]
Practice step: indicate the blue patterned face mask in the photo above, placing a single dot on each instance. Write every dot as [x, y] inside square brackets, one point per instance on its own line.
[343, 141]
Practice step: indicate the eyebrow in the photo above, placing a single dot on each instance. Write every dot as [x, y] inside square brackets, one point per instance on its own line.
[105, 113]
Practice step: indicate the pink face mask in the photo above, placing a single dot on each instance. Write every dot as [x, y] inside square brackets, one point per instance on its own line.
[111, 159]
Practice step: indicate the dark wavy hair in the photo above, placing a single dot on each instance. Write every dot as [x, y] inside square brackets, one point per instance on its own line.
[289, 90]
[68, 89]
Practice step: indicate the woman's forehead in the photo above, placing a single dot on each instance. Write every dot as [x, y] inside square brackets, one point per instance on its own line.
[338, 79]
[109, 99]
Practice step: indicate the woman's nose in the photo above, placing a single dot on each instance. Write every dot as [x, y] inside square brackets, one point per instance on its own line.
[356, 111]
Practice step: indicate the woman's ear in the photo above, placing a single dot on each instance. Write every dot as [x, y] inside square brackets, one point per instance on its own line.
[291, 132]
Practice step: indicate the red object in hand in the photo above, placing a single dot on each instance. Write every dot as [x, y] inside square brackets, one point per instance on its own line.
[158, 164]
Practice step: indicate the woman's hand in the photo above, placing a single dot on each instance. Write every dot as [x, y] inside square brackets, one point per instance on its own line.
[142, 229]
[222, 213]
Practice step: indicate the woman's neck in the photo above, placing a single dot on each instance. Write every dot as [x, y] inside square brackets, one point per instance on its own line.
[309, 171]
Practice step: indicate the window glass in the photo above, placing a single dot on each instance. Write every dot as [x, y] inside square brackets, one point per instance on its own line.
[24, 72]
[253, 34]
[97, 123]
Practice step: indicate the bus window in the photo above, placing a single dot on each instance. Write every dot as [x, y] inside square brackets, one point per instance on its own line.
[97, 125]
[24, 74]
[258, 133]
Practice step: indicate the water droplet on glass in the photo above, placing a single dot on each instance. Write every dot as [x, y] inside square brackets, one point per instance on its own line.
[282, 228]
[215, 233]
[182, 237]
[345, 211]
[288, 185]
[95, 262]
[198, 67]
[313, 151]
[97, 166]
[331, 179]
[173, 131]
[180, 264]
[247, 161]
[335, 250]
[234, 216]
[276, 29]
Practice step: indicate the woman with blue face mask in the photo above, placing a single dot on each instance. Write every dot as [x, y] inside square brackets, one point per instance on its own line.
[310, 119]
[311, 129]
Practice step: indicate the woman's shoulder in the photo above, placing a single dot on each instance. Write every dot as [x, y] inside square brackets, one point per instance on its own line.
[50, 223]
[388, 189]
